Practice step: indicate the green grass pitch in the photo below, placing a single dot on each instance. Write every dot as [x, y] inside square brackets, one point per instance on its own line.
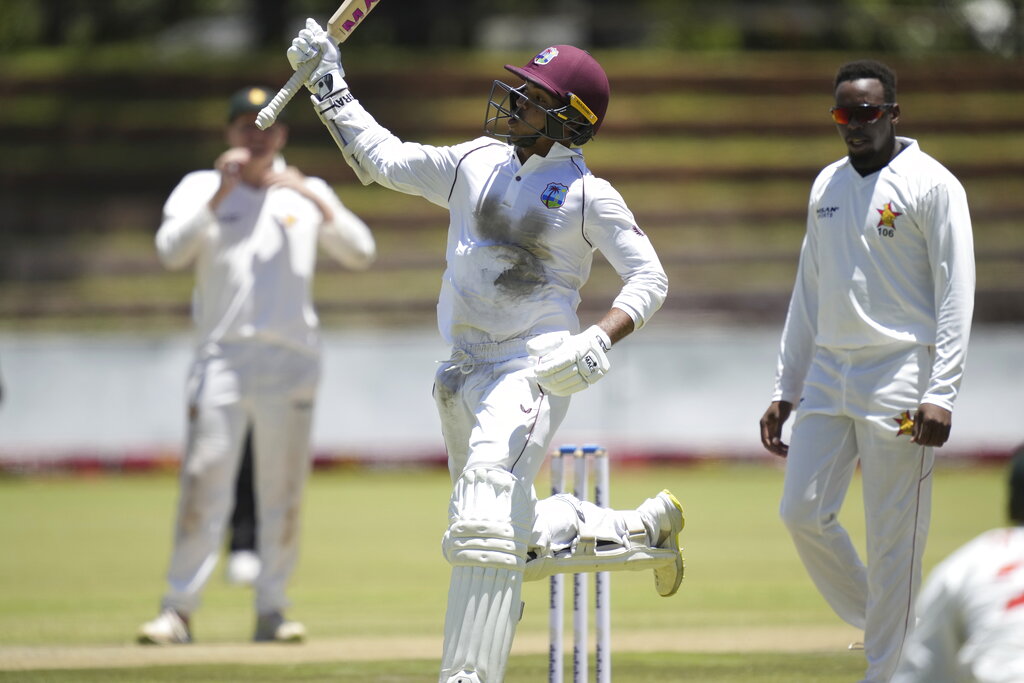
[84, 556]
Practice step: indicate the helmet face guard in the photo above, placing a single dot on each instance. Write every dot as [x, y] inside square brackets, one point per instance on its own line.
[570, 124]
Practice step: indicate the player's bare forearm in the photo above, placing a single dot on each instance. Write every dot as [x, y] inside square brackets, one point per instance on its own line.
[617, 324]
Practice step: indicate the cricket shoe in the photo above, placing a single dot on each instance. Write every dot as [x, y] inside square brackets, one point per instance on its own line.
[243, 568]
[464, 677]
[274, 628]
[664, 519]
[169, 628]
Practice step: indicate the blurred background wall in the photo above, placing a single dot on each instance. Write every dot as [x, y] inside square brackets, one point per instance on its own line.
[717, 126]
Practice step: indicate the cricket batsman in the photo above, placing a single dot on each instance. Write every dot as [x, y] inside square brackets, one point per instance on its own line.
[526, 216]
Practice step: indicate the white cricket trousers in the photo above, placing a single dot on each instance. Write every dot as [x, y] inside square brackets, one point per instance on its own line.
[849, 414]
[272, 389]
[496, 421]
[493, 414]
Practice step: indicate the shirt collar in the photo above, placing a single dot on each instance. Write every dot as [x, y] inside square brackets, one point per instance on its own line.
[558, 152]
[909, 148]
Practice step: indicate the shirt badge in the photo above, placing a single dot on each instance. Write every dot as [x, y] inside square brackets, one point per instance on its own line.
[553, 195]
[888, 216]
[286, 221]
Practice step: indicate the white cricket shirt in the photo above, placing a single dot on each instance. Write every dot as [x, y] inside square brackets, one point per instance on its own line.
[971, 616]
[521, 237]
[255, 257]
[886, 258]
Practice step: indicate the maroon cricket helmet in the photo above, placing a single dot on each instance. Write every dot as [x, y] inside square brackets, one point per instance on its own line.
[566, 71]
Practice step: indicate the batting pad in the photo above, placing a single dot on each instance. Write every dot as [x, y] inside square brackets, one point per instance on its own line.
[484, 605]
[490, 518]
[592, 551]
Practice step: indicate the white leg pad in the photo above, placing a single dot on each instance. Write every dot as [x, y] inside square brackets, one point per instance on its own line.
[483, 611]
[606, 540]
[490, 518]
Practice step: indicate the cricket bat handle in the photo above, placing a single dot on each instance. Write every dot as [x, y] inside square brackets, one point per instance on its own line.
[265, 119]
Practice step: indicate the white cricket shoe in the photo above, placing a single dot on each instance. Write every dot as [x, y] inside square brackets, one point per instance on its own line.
[664, 514]
[274, 628]
[243, 567]
[169, 628]
[465, 677]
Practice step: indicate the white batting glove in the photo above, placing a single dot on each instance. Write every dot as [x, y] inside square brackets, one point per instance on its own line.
[313, 43]
[570, 363]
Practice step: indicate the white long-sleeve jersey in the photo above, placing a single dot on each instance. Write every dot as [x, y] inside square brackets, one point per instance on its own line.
[521, 237]
[886, 258]
[971, 616]
[255, 257]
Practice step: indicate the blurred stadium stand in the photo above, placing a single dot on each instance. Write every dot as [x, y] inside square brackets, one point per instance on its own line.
[713, 150]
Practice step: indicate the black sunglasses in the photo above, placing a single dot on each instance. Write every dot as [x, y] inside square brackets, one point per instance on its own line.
[863, 113]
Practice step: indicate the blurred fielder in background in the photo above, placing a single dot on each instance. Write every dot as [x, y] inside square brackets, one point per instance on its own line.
[971, 609]
[526, 216]
[250, 227]
[873, 351]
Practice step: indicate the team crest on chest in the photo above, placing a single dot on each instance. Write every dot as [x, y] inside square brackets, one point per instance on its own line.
[286, 221]
[888, 216]
[553, 195]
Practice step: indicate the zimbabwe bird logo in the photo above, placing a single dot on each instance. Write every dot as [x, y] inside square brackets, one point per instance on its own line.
[905, 422]
[888, 216]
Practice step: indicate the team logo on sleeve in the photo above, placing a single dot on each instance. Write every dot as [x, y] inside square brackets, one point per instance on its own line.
[553, 195]
[905, 422]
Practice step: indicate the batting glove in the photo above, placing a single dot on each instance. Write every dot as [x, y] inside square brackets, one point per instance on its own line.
[312, 44]
[570, 363]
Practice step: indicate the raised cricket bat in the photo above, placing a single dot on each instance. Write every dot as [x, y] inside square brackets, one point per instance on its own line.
[345, 20]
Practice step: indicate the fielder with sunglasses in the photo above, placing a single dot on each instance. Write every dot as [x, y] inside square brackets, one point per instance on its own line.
[526, 216]
[872, 355]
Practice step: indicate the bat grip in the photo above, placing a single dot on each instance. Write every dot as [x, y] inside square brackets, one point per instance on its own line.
[269, 113]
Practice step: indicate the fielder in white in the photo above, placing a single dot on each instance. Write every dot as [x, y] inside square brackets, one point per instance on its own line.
[525, 218]
[250, 227]
[873, 352]
[971, 609]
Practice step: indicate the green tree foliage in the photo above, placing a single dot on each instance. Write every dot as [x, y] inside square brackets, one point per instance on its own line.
[904, 26]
